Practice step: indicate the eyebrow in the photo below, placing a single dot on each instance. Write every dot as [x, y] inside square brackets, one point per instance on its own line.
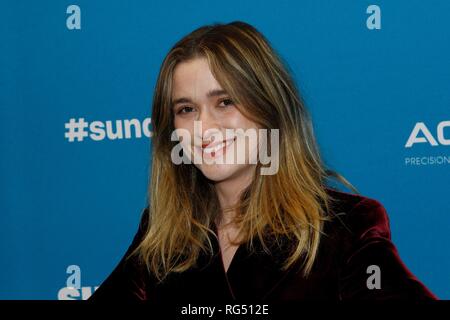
[210, 94]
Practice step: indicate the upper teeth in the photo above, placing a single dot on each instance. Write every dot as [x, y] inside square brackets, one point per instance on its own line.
[217, 147]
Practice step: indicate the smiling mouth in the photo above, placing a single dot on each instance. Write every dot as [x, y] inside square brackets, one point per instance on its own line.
[213, 150]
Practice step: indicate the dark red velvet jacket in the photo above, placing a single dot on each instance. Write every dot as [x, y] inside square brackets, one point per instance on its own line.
[357, 237]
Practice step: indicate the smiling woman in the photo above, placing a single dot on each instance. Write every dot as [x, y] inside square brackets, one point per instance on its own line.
[216, 232]
[193, 78]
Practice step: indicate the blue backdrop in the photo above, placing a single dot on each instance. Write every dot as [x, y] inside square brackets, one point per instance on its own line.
[373, 77]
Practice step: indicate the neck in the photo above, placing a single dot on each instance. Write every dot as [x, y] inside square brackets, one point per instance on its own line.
[229, 192]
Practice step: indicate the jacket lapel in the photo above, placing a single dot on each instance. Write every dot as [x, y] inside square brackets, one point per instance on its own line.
[252, 275]
[255, 274]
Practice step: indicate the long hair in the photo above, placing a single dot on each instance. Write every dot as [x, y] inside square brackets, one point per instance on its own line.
[183, 203]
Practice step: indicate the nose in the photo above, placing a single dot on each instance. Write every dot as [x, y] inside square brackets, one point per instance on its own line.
[210, 124]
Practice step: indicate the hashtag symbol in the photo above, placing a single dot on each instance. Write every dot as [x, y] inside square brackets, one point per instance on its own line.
[76, 129]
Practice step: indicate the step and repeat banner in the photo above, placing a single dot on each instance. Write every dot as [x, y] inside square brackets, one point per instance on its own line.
[76, 86]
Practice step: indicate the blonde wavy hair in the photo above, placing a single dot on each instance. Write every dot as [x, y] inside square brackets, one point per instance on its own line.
[183, 203]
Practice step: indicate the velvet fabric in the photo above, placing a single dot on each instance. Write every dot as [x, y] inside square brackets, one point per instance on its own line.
[358, 236]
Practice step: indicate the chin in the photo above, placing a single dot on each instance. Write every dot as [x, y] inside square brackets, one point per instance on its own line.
[219, 172]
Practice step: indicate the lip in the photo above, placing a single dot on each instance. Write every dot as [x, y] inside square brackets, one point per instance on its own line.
[215, 149]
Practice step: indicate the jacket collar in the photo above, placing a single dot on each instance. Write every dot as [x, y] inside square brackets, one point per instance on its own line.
[253, 273]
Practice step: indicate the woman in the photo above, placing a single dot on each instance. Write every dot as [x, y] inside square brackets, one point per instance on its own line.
[215, 231]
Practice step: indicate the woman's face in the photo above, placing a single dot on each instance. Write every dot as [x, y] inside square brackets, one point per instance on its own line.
[223, 151]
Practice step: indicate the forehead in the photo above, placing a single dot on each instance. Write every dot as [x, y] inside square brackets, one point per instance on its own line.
[193, 77]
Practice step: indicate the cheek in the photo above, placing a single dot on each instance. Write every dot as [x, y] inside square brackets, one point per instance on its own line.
[177, 123]
[180, 123]
[236, 119]
[185, 133]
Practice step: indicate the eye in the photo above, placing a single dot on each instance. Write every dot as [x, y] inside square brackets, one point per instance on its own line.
[227, 102]
[185, 109]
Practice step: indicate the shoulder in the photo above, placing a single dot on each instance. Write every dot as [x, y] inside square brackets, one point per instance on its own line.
[358, 215]
[359, 233]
